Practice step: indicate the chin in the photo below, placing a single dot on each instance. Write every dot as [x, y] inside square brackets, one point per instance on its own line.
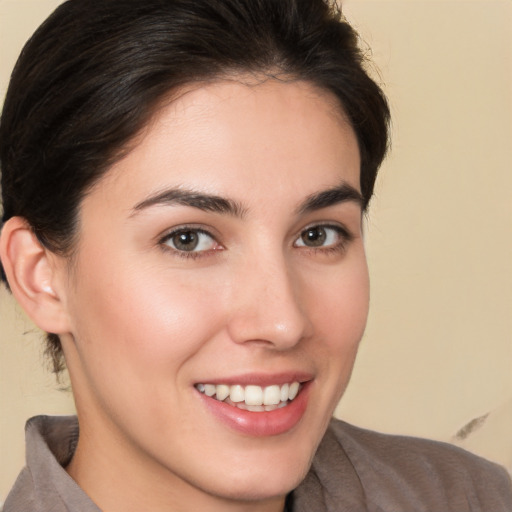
[261, 487]
[271, 475]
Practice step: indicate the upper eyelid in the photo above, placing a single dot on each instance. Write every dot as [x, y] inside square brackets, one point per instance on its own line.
[165, 235]
[339, 227]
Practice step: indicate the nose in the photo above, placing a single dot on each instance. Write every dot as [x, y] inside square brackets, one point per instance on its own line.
[267, 305]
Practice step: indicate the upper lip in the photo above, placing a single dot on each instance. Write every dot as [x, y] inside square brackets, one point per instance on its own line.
[260, 379]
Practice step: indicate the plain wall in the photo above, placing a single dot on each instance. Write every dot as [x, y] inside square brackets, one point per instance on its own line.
[438, 348]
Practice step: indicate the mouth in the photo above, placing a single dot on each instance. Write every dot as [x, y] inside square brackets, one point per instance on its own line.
[252, 398]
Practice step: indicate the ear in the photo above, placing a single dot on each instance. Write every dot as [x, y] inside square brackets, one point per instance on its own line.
[32, 272]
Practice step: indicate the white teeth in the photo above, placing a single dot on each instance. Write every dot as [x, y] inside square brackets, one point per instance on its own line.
[284, 392]
[255, 408]
[209, 389]
[272, 395]
[294, 389]
[252, 398]
[222, 392]
[236, 393]
[253, 395]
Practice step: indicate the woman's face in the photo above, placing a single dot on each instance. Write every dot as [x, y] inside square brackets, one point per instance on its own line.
[224, 254]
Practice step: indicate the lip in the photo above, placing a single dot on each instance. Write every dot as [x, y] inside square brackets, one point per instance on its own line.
[258, 379]
[260, 424]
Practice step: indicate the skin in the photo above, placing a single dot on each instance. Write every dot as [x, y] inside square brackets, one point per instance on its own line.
[144, 322]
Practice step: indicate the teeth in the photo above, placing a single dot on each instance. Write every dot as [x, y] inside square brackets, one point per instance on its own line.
[294, 389]
[272, 395]
[255, 408]
[209, 389]
[237, 394]
[222, 392]
[253, 395]
[284, 392]
[252, 398]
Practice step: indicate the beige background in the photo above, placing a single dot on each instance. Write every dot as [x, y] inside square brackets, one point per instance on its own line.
[438, 348]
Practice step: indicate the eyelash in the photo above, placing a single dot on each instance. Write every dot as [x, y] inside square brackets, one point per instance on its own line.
[187, 254]
[345, 237]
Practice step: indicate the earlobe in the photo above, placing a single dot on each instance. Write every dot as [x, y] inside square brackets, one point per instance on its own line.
[31, 274]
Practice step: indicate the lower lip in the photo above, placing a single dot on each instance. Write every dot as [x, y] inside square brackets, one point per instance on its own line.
[260, 424]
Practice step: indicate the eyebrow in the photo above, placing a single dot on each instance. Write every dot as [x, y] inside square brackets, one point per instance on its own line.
[186, 197]
[330, 197]
[216, 204]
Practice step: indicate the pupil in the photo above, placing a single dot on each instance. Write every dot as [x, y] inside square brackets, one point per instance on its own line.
[314, 237]
[186, 241]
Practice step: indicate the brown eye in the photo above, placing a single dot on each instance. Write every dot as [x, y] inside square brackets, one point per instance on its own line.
[185, 240]
[314, 237]
[323, 236]
[190, 240]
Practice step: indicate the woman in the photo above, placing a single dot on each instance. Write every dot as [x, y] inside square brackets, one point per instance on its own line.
[183, 186]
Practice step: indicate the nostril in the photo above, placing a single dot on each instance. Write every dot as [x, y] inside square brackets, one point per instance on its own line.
[268, 329]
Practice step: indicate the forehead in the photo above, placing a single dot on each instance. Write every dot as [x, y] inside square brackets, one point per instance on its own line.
[246, 137]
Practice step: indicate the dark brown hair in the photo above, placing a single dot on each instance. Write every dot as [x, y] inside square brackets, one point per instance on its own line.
[93, 74]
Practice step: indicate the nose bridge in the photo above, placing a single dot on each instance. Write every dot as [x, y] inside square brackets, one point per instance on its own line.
[267, 302]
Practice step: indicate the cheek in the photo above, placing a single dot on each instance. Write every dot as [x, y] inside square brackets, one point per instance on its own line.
[143, 320]
[341, 306]
[340, 315]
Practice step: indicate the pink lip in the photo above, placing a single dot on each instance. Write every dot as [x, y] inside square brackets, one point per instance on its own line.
[258, 379]
[260, 424]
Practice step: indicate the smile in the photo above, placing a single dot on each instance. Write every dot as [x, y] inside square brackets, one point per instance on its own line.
[252, 398]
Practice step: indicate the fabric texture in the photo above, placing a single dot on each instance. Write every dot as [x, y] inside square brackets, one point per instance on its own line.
[354, 470]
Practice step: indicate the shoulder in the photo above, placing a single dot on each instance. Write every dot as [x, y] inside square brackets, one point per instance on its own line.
[399, 473]
[21, 497]
[44, 485]
[409, 452]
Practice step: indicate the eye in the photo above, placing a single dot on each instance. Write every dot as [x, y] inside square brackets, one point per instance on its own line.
[190, 240]
[322, 236]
